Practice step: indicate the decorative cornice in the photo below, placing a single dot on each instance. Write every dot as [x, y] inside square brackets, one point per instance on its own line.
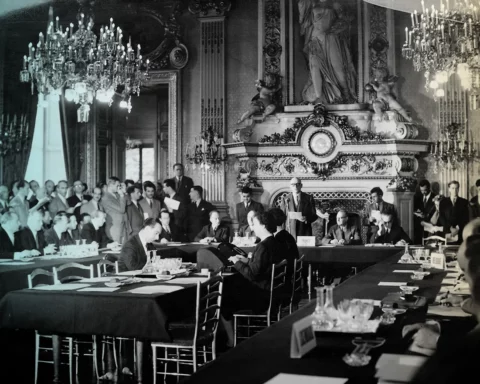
[209, 8]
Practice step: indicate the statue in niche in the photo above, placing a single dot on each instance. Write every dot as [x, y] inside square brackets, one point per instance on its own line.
[385, 100]
[325, 25]
[263, 101]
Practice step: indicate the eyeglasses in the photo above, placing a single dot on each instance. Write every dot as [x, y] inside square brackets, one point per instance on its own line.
[296, 184]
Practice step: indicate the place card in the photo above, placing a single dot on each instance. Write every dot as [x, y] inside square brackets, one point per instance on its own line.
[391, 284]
[287, 378]
[437, 260]
[61, 287]
[306, 241]
[151, 289]
[376, 303]
[96, 280]
[303, 338]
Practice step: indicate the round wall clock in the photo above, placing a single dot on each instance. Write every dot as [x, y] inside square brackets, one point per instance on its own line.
[321, 143]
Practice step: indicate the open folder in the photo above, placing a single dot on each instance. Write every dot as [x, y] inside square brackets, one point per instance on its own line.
[171, 204]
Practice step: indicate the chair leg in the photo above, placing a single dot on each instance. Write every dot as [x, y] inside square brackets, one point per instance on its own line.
[309, 282]
[37, 354]
[166, 366]
[95, 355]
[154, 358]
[135, 357]
[70, 358]
[194, 352]
[177, 351]
[234, 331]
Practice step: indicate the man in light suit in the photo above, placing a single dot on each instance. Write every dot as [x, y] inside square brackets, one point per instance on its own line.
[56, 234]
[94, 203]
[423, 207]
[134, 211]
[300, 202]
[341, 233]
[59, 203]
[151, 207]
[114, 204]
[179, 215]
[246, 206]
[183, 184]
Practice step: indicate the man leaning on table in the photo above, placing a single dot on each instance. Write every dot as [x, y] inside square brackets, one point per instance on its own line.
[94, 231]
[389, 231]
[134, 252]
[9, 226]
[32, 236]
[342, 233]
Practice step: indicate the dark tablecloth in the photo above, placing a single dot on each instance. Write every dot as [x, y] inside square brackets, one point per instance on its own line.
[263, 356]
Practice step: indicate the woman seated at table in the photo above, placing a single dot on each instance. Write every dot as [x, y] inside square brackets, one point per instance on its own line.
[215, 232]
[252, 292]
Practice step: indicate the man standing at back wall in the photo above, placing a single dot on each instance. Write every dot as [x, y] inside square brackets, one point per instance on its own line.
[114, 204]
[183, 184]
[246, 206]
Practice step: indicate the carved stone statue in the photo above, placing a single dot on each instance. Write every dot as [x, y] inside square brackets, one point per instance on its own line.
[385, 100]
[263, 101]
[325, 25]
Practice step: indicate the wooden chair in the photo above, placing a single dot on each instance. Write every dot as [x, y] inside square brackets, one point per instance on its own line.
[188, 343]
[263, 320]
[434, 237]
[103, 264]
[296, 284]
[45, 275]
[57, 272]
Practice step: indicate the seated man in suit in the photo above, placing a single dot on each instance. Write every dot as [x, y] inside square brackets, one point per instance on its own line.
[72, 234]
[31, 236]
[246, 206]
[84, 219]
[374, 207]
[134, 251]
[215, 232]
[169, 231]
[10, 224]
[46, 220]
[94, 232]
[197, 212]
[247, 228]
[56, 234]
[389, 232]
[342, 233]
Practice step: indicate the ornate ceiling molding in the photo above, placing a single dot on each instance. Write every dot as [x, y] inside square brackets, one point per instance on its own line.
[206, 8]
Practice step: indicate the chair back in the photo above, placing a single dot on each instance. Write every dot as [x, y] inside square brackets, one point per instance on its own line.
[296, 280]
[104, 264]
[76, 267]
[217, 272]
[208, 305]
[434, 237]
[277, 283]
[47, 276]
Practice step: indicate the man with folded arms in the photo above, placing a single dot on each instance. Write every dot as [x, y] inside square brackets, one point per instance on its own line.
[94, 232]
[389, 231]
[215, 232]
[134, 252]
[31, 236]
[342, 233]
[56, 234]
[9, 226]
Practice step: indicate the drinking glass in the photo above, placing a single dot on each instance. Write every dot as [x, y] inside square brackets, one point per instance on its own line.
[359, 357]
[365, 310]
[321, 320]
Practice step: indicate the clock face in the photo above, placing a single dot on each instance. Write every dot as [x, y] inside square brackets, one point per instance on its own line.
[321, 143]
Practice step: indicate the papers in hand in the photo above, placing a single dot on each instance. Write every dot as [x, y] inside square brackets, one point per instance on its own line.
[171, 204]
[295, 215]
[376, 215]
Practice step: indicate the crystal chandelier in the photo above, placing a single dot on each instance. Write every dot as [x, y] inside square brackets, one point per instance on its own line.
[444, 41]
[89, 67]
[207, 154]
[453, 149]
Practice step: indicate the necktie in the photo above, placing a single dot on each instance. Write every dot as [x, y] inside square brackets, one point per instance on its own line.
[150, 203]
[454, 200]
[425, 200]
[246, 205]
[342, 233]
[167, 229]
[36, 239]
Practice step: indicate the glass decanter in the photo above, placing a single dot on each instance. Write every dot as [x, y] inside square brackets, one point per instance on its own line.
[406, 257]
[320, 318]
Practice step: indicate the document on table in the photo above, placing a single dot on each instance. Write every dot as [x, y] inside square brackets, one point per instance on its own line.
[151, 289]
[98, 289]
[171, 204]
[20, 263]
[442, 310]
[295, 215]
[61, 287]
[187, 280]
[287, 378]
[404, 271]
[391, 284]
[96, 280]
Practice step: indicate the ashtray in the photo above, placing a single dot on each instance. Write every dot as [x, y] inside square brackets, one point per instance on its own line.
[419, 275]
[408, 289]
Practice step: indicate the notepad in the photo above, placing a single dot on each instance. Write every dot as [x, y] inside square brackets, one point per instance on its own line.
[20, 263]
[61, 287]
[98, 289]
[171, 204]
[404, 271]
[391, 284]
[151, 289]
[96, 280]
[287, 378]
[295, 215]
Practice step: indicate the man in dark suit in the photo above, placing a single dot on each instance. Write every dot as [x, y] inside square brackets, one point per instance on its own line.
[72, 234]
[474, 203]
[78, 198]
[390, 232]
[4, 206]
[183, 184]
[169, 231]
[197, 213]
[423, 207]
[95, 230]
[150, 206]
[134, 251]
[31, 236]
[214, 232]
[9, 225]
[303, 206]
[179, 215]
[454, 212]
[134, 211]
[246, 206]
[56, 234]
[342, 233]
[374, 207]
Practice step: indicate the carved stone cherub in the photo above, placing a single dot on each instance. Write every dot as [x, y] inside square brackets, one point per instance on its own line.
[385, 100]
[263, 101]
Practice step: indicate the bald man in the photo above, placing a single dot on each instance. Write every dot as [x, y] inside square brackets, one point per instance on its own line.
[301, 205]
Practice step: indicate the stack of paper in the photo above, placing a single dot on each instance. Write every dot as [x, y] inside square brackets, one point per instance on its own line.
[398, 368]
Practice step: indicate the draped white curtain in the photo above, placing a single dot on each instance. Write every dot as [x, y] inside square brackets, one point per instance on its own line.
[10, 6]
[407, 5]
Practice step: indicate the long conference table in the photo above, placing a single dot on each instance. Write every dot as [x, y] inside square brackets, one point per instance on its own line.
[13, 275]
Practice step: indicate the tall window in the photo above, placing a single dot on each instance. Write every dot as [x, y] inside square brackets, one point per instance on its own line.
[140, 164]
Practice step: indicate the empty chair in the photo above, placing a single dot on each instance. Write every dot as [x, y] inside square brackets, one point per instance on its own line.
[103, 266]
[263, 320]
[60, 277]
[434, 239]
[188, 343]
[296, 284]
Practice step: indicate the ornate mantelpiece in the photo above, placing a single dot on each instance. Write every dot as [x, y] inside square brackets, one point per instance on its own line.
[332, 152]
